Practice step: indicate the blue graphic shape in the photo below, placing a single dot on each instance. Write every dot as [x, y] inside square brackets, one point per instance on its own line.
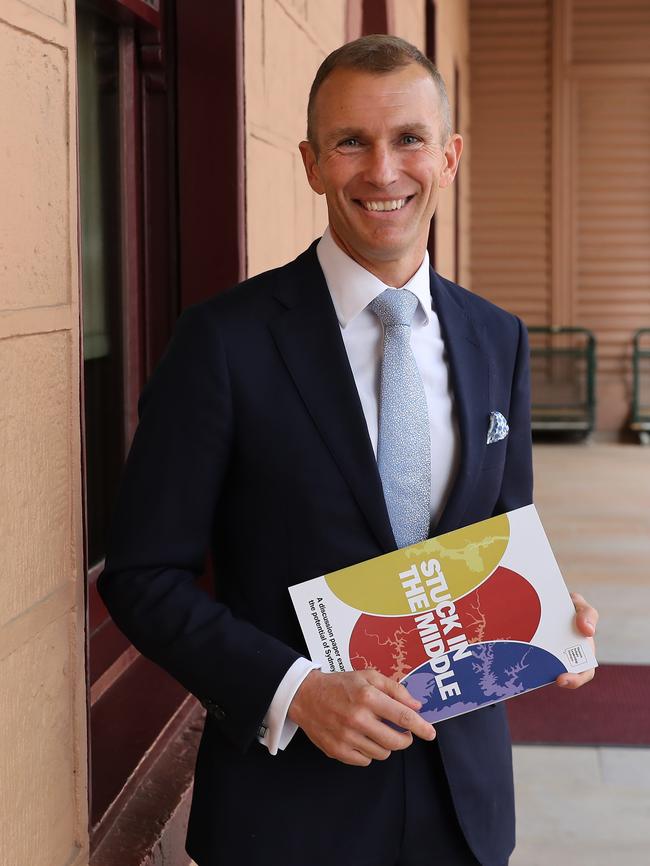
[495, 670]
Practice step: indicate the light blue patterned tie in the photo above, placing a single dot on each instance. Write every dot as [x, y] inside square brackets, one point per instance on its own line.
[403, 445]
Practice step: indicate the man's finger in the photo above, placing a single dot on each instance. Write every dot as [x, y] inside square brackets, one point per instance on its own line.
[400, 693]
[586, 615]
[386, 736]
[404, 717]
[403, 695]
[369, 747]
[352, 757]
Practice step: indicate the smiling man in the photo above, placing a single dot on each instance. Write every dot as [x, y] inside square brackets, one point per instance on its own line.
[316, 416]
[380, 148]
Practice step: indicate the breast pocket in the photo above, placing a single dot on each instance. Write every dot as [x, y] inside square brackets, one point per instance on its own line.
[495, 455]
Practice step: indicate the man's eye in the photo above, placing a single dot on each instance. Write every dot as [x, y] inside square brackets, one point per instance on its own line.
[410, 139]
[349, 142]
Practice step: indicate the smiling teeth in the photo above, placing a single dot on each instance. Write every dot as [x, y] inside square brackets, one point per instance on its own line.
[395, 204]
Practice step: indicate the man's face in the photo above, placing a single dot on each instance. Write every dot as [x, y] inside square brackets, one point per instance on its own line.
[380, 161]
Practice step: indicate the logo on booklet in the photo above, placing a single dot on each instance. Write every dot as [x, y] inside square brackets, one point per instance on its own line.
[575, 656]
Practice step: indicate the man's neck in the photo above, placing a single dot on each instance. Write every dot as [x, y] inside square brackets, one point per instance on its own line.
[395, 273]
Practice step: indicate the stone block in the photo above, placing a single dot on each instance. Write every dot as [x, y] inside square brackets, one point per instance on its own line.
[254, 58]
[34, 145]
[298, 6]
[286, 42]
[310, 217]
[271, 205]
[291, 61]
[38, 814]
[409, 22]
[328, 21]
[53, 8]
[35, 484]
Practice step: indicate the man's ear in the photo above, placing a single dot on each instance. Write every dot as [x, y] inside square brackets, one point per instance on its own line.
[451, 156]
[310, 161]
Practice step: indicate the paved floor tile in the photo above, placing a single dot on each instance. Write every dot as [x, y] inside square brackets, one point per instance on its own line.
[629, 767]
[581, 806]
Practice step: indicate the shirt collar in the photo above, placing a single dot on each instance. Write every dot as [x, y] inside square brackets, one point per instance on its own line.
[352, 287]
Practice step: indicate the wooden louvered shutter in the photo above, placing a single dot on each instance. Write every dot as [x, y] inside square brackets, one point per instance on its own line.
[610, 80]
[561, 171]
[510, 93]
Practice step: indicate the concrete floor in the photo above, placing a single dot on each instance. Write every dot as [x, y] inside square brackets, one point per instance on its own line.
[592, 805]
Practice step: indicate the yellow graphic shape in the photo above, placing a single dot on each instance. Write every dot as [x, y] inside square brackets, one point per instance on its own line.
[463, 558]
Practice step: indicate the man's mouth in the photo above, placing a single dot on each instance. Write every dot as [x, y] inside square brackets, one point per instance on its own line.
[385, 205]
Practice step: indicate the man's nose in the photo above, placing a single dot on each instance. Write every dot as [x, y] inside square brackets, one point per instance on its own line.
[381, 168]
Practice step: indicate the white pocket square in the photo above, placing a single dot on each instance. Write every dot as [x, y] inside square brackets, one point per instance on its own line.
[498, 428]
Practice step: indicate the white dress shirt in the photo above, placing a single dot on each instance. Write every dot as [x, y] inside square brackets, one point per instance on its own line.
[352, 288]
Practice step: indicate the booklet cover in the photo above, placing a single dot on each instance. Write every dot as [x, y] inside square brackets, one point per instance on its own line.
[463, 620]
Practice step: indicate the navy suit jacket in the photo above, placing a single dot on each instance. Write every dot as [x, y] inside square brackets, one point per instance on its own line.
[252, 441]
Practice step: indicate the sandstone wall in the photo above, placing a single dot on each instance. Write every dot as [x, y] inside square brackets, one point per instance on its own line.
[284, 43]
[43, 813]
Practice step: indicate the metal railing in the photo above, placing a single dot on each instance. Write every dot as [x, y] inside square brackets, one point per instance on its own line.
[563, 379]
[640, 422]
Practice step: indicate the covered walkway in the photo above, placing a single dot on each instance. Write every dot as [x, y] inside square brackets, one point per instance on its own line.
[582, 804]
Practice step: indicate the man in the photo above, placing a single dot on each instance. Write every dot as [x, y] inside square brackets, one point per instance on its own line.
[275, 429]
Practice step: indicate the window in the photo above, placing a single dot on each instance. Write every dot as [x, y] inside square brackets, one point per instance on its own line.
[129, 299]
[99, 170]
[162, 226]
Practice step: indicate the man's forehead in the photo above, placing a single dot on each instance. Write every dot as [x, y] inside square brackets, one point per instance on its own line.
[399, 80]
[401, 90]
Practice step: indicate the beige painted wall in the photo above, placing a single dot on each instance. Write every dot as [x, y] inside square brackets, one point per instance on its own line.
[284, 43]
[43, 812]
[406, 18]
[452, 52]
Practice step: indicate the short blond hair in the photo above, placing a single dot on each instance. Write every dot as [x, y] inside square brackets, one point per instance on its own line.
[378, 54]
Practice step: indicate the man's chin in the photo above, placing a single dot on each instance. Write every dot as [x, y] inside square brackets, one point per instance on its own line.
[385, 247]
[379, 244]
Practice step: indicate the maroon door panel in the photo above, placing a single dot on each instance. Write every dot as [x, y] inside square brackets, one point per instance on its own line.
[210, 147]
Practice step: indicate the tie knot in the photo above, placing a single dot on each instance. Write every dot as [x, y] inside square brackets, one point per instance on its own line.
[395, 307]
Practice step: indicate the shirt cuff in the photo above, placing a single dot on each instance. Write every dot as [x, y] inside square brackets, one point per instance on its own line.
[277, 730]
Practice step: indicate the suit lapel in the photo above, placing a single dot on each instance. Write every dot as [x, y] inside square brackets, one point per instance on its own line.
[470, 379]
[308, 337]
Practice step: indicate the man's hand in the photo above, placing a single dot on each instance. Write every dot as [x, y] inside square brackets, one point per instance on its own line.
[343, 714]
[586, 620]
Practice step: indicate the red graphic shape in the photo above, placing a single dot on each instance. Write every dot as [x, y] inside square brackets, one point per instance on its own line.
[504, 607]
[390, 644]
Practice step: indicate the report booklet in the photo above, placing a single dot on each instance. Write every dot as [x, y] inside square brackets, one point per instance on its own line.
[463, 620]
